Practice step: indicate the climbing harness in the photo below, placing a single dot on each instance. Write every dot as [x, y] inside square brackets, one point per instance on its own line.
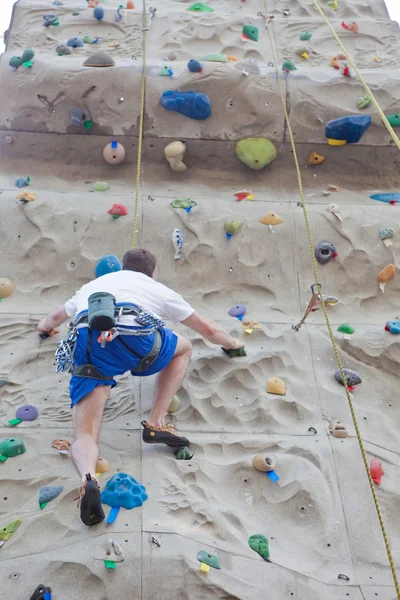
[314, 262]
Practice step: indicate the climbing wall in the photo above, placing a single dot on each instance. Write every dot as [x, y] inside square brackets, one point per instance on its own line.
[324, 535]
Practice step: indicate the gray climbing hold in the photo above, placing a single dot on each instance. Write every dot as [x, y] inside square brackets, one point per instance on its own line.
[324, 252]
[109, 550]
[77, 117]
[100, 59]
[63, 50]
[352, 377]
[49, 493]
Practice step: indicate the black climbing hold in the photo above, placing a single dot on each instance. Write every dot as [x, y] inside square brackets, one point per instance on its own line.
[40, 591]
[324, 252]
[343, 576]
[312, 430]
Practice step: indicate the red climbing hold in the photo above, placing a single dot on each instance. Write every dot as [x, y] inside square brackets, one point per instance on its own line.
[118, 210]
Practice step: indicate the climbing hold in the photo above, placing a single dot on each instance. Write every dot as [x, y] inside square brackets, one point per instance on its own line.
[3, 382]
[26, 196]
[286, 11]
[352, 378]
[347, 330]
[393, 326]
[334, 209]
[6, 287]
[385, 234]
[259, 544]
[118, 210]
[98, 13]
[177, 242]
[185, 203]
[389, 198]
[315, 159]
[270, 219]
[50, 20]
[244, 195]
[333, 188]
[121, 15]
[276, 386]
[93, 3]
[175, 405]
[109, 550]
[214, 57]
[352, 27]
[124, 491]
[288, 66]
[102, 465]
[77, 117]
[364, 101]
[75, 42]
[182, 453]
[7, 531]
[100, 59]
[235, 352]
[130, 5]
[63, 50]
[332, 4]
[376, 470]
[25, 59]
[190, 104]
[28, 412]
[100, 186]
[22, 181]
[338, 429]
[174, 154]
[194, 66]
[248, 65]
[263, 463]
[305, 36]
[10, 447]
[108, 264]
[250, 325]
[114, 153]
[232, 227]
[88, 39]
[255, 153]
[61, 445]
[200, 7]
[328, 300]
[250, 32]
[386, 275]
[335, 62]
[394, 119]
[324, 252]
[346, 71]
[208, 560]
[347, 130]
[48, 493]
[165, 71]
[42, 592]
[238, 311]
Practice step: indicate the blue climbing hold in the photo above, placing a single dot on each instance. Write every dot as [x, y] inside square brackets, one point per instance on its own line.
[98, 13]
[49, 493]
[75, 42]
[124, 491]
[191, 104]
[393, 326]
[108, 264]
[194, 66]
[22, 181]
[347, 130]
[389, 198]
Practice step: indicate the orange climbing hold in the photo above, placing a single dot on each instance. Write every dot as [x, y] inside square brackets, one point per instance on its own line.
[93, 3]
[130, 5]
[335, 62]
[352, 27]
[315, 159]
[387, 273]
[276, 386]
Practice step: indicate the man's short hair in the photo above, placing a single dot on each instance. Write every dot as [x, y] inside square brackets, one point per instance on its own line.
[139, 260]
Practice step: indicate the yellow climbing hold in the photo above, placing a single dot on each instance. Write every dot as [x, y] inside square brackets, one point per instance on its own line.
[276, 386]
[332, 142]
[315, 159]
[271, 218]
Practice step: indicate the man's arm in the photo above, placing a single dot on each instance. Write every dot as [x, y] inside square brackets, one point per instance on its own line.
[211, 331]
[53, 320]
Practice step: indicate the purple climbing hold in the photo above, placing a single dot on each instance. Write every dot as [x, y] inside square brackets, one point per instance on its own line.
[238, 311]
[27, 413]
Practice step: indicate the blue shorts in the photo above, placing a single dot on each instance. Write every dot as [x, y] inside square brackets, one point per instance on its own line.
[115, 359]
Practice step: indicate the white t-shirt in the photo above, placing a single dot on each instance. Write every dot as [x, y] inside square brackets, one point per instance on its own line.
[137, 288]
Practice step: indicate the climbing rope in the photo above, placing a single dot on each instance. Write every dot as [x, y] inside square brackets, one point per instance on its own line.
[141, 124]
[268, 22]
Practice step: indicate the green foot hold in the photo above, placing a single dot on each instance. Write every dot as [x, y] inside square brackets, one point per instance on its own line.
[11, 447]
[259, 544]
[235, 353]
[255, 153]
[208, 559]
[200, 7]
[182, 453]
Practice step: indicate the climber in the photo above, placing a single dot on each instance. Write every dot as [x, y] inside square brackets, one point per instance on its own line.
[97, 359]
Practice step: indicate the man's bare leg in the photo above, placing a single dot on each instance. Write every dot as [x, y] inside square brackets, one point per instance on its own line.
[87, 415]
[169, 381]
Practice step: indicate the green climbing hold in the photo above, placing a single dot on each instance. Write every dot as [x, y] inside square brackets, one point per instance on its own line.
[235, 352]
[11, 447]
[100, 186]
[88, 39]
[232, 227]
[346, 328]
[364, 101]
[208, 559]
[255, 153]
[394, 119]
[259, 544]
[200, 7]
[289, 66]
[7, 531]
[214, 57]
[88, 124]
[250, 32]
[183, 203]
[182, 453]
[305, 36]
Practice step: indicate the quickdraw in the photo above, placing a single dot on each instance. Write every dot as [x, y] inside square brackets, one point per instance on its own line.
[311, 305]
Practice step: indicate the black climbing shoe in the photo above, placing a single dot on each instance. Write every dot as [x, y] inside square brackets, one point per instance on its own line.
[40, 591]
[91, 509]
[166, 434]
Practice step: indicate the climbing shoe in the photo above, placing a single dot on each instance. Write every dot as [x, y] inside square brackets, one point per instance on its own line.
[91, 509]
[166, 434]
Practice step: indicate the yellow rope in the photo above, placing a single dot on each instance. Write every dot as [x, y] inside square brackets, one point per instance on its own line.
[316, 276]
[140, 138]
[361, 78]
